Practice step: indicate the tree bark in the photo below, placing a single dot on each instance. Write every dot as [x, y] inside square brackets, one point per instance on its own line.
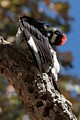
[38, 94]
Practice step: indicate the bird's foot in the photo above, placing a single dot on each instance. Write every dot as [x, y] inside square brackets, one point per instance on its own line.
[2, 41]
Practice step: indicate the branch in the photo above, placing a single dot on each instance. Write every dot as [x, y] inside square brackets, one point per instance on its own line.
[38, 94]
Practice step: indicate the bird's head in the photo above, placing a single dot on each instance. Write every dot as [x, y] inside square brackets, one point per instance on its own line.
[56, 37]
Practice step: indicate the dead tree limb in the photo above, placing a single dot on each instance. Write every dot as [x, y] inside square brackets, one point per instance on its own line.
[38, 94]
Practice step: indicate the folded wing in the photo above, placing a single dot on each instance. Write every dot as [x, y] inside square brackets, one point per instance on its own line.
[38, 45]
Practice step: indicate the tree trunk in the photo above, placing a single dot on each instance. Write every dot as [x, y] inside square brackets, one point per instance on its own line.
[38, 94]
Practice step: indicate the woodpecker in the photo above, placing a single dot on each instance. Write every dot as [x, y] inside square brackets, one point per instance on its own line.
[55, 35]
[30, 36]
[39, 38]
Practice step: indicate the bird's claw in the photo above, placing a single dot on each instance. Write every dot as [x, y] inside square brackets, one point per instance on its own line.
[2, 41]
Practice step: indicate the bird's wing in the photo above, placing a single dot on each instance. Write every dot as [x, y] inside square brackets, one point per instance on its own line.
[34, 31]
[38, 44]
[41, 26]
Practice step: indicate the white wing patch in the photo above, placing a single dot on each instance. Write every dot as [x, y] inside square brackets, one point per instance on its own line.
[32, 44]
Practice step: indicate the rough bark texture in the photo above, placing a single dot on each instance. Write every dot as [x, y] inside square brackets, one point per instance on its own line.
[38, 94]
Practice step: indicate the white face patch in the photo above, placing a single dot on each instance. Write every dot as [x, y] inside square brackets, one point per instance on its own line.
[53, 38]
[32, 44]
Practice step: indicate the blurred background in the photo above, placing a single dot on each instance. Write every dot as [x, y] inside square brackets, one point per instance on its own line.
[64, 14]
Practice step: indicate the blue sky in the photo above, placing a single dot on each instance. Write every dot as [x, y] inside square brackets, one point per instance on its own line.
[73, 40]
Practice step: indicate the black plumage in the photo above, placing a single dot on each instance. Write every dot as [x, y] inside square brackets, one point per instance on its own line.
[30, 28]
[41, 26]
